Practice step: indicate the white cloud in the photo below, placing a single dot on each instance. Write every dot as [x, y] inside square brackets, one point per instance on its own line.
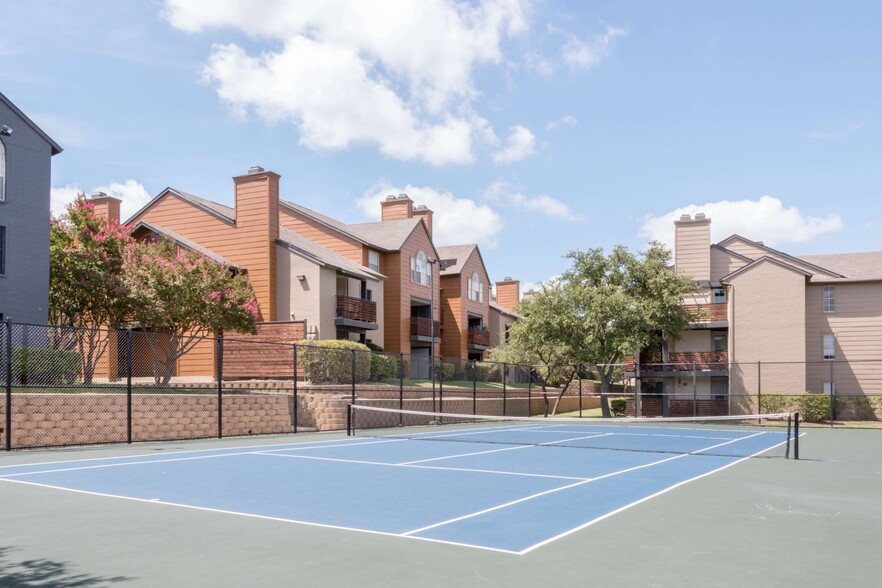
[567, 120]
[456, 221]
[521, 144]
[395, 74]
[766, 219]
[587, 54]
[132, 193]
[841, 134]
[511, 196]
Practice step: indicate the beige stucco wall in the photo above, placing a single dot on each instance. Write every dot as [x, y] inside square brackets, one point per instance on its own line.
[689, 341]
[692, 248]
[723, 264]
[857, 325]
[497, 322]
[767, 323]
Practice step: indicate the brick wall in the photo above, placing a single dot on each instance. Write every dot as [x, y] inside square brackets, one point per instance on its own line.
[261, 355]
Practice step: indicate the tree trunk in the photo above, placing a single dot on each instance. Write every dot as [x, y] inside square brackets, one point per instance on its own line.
[604, 392]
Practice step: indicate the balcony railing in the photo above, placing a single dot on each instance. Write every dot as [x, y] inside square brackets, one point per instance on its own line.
[681, 362]
[356, 309]
[479, 336]
[422, 327]
[716, 311]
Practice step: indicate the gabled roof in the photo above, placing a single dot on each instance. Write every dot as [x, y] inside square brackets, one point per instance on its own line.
[505, 311]
[854, 266]
[730, 252]
[224, 213]
[184, 242]
[762, 260]
[324, 257]
[795, 260]
[453, 258]
[55, 148]
[387, 235]
[321, 219]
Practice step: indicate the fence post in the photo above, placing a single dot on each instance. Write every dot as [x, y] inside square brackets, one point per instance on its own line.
[129, 385]
[579, 367]
[504, 373]
[353, 376]
[530, 390]
[694, 393]
[294, 346]
[8, 384]
[832, 387]
[220, 387]
[474, 387]
[400, 387]
[759, 387]
[441, 384]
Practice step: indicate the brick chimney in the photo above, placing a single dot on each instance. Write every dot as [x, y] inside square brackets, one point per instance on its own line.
[508, 293]
[106, 206]
[692, 240]
[424, 213]
[257, 225]
[393, 208]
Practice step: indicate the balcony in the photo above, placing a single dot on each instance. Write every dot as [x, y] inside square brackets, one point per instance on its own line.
[714, 312]
[706, 362]
[479, 338]
[356, 313]
[421, 329]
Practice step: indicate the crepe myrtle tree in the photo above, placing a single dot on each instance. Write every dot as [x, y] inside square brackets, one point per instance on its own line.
[179, 296]
[617, 303]
[86, 287]
[540, 341]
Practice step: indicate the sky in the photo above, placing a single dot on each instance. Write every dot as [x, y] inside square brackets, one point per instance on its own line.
[530, 127]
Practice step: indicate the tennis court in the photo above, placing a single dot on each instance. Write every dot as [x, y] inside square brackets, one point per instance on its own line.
[453, 489]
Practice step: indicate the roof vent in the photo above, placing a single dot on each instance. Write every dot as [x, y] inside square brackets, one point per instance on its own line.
[255, 169]
[390, 197]
[403, 197]
[420, 207]
[761, 243]
[700, 216]
[507, 279]
[685, 217]
[99, 194]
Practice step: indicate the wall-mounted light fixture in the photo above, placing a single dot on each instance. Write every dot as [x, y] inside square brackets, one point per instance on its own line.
[4, 130]
[301, 277]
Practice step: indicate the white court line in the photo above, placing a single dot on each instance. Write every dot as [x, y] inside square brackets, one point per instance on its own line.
[404, 465]
[173, 459]
[588, 481]
[262, 517]
[138, 455]
[645, 498]
[503, 449]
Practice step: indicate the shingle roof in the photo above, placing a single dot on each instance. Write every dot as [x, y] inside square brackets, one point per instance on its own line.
[326, 257]
[389, 235]
[221, 211]
[854, 266]
[454, 257]
[326, 220]
[186, 243]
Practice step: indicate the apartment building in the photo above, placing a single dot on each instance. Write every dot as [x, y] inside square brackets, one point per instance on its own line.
[502, 310]
[769, 321]
[25, 169]
[465, 302]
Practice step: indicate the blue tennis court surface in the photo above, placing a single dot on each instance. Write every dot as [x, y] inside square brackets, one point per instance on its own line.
[473, 488]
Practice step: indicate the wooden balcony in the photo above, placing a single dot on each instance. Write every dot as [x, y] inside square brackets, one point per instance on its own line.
[714, 312]
[701, 361]
[479, 336]
[356, 309]
[422, 327]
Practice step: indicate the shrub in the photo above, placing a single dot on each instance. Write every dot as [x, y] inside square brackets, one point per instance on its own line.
[383, 367]
[448, 371]
[330, 362]
[773, 403]
[38, 366]
[618, 406]
[489, 372]
[814, 407]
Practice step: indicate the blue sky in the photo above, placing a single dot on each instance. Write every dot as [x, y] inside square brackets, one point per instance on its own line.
[532, 128]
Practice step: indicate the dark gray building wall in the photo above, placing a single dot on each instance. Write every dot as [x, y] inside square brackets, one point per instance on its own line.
[24, 289]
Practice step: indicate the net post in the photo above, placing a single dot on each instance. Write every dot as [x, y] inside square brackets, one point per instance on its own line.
[694, 393]
[220, 387]
[529, 390]
[400, 387]
[441, 384]
[504, 374]
[294, 365]
[796, 435]
[474, 387]
[353, 376]
[129, 385]
[759, 389]
[349, 431]
[8, 339]
[579, 368]
[787, 448]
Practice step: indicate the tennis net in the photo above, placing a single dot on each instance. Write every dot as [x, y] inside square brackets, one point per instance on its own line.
[766, 435]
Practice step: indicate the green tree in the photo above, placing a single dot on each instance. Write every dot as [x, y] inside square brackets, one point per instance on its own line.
[184, 296]
[618, 303]
[86, 289]
[541, 340]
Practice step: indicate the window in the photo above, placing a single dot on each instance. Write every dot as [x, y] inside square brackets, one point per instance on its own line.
[2, 251]
[2, 173]
[374, 260]
[476, 288]
[829, 346]
[721, 341]
[829, 299]
[420, 269]
[719, 295]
